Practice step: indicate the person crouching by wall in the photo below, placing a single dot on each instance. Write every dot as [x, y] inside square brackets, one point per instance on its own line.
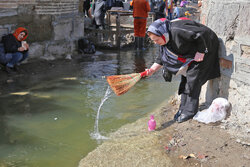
[140, 14]
[15, 49]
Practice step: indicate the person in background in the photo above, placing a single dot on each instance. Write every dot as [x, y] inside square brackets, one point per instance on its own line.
[169, 4]
[181, 10]
[118, 3]
[114, 3]
[15, 49]
[99, 9]
[160, 8]
[199, 3]
[175, 2]
[140, 14]
[152, 4]
[178, 12]
[185, 41]
[183, 3]
[86, 8]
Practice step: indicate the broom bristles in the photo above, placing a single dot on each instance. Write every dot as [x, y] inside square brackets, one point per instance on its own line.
[120, 84]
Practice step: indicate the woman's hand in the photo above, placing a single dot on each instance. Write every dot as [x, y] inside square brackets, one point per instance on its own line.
[20, 49]
[199, 56]
[145, 73]
[148, 72]
[26, 46]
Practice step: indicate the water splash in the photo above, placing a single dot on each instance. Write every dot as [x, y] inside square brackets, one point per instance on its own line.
[96, 134]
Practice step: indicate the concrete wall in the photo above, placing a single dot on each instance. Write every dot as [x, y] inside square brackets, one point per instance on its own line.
[230, 20]
[53, 25]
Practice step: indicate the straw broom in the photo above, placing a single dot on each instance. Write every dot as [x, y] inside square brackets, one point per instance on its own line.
[120, 84]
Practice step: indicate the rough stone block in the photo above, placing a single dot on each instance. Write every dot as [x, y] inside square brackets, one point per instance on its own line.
[8, 5]
[232, 47]
[40, 28]
[8, 20]
[59, 50]
[3, 31]
[78, 30]
[227, 26]
[243, 27]
[210, 90]
[7, 12]
[36, 50]
[62, 29]
[224, 86]
[26, 9]
[243, 68]
[245, 50]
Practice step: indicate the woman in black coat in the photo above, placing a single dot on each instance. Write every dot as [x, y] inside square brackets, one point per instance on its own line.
[15, 49]
[185, 42]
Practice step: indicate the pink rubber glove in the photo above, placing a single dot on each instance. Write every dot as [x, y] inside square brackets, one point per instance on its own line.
[144, 73]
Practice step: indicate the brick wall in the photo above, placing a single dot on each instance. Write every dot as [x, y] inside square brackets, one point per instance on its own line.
[44, 6]
[8, 4]
[56, 6]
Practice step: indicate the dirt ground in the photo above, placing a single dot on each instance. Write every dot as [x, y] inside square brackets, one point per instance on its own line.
[203, 144]
[172, 144]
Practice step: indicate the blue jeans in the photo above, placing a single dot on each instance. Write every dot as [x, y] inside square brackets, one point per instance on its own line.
[169, 15]
[12, 59]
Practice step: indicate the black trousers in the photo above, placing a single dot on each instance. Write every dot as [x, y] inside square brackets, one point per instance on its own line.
[190, 101]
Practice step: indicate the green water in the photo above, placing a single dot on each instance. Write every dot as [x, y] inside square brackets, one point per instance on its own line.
[51, 125]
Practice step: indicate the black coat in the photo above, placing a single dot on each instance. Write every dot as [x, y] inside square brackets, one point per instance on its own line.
[11, 44]
[186, 37]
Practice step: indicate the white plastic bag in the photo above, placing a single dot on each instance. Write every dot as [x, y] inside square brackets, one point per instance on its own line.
[217, 111]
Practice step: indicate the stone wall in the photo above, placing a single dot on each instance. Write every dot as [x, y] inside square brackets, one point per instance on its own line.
[229, 19]
[54, 25]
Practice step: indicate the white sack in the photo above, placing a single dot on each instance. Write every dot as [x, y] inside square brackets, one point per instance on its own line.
[217, 111]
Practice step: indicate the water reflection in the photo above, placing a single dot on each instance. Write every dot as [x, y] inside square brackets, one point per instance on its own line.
[140, 64]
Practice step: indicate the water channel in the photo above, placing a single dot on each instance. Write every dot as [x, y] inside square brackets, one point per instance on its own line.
[51, 123]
